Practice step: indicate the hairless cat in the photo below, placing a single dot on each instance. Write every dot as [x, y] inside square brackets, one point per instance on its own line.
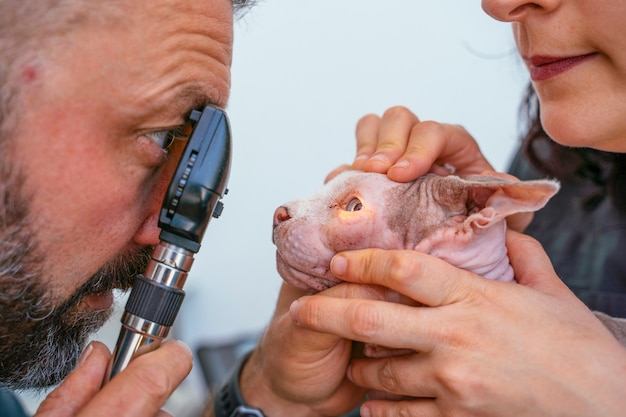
[461, 221]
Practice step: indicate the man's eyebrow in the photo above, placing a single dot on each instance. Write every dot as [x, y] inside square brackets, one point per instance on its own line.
[173, 106]
[190, 98]
[179, 102]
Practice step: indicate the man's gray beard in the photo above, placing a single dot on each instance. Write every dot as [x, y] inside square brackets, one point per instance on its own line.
[40, 342]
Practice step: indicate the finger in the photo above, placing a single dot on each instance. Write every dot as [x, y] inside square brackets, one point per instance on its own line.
[519, 221]
[323, 340]
[406, 375]
[80, 386]
[435, 143]
[424, 278]
[421, 407]
[377, 322]
[531, 264]
[394, 131]
[368, 292]
[144, 386]
[367, 129]
[382, 323]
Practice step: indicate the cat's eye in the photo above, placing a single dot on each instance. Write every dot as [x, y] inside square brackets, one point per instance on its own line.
[354, 205]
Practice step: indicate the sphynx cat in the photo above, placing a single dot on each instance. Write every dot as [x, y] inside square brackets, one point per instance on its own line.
[461, 221]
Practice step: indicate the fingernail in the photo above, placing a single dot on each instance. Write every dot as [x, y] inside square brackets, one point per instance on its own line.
[85, 355]
[338, 265]
[379, 157]
[182, 345]
[293, 308]
[403, 163]
[365, 411]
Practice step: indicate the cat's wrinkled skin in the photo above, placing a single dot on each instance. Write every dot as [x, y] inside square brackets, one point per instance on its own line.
[461, 221]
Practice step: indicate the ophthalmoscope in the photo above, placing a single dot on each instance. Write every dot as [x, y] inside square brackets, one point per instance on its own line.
[192, 198]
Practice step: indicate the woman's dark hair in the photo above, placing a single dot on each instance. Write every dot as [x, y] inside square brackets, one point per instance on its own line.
[606, 170]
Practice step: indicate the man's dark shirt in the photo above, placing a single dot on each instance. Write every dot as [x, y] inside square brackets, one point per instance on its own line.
[10, 405]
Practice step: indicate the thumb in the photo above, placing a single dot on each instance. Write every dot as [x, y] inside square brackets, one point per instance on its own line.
[145, 385]
[531, 264]
[80, 386]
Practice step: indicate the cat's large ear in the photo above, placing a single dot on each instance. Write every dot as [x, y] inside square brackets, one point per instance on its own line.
[468, 239]
[501, 197]
[506, 197]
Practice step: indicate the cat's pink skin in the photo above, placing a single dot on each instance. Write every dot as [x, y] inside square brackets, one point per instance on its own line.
[458, 220]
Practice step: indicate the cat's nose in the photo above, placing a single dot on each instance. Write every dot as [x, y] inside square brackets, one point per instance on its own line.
[281, 215]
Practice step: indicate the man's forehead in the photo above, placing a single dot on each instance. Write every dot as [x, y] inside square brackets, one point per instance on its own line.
[174, 65]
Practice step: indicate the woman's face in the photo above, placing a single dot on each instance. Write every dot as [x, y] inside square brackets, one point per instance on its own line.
[575, 51]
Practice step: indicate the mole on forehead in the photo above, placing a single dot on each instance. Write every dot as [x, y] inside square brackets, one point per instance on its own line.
[29, 73]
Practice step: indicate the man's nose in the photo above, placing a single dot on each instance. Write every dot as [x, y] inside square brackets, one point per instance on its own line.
[515, 10]
[148, 232]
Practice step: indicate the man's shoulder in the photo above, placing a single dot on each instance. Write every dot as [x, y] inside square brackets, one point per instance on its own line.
[10, 406]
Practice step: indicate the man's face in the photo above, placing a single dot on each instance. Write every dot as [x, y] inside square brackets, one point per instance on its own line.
[85, 174]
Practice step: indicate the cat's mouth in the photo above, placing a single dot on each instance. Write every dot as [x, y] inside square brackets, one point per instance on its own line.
[314, 280]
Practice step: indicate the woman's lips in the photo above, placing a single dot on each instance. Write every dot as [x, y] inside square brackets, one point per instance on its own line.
[544, 67]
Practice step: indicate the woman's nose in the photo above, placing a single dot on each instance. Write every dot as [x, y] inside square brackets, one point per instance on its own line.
[515, 10]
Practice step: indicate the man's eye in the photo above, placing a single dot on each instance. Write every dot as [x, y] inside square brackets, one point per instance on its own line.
[165, 138]
[354, 205]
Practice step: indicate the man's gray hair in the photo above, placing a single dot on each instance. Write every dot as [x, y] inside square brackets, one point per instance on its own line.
[25, 26]
[240, 6]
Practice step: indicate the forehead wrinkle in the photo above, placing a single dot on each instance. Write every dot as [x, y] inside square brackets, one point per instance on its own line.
[177, 102]
[196, 71]
[180, 85]
[211, 36]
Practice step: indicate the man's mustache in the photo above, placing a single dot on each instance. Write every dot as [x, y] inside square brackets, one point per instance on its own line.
[118, 274]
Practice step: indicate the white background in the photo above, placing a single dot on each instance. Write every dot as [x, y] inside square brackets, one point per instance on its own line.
[304, 72]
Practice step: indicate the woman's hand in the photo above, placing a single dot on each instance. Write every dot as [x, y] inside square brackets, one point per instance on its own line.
[404, 147]
[482, 347]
